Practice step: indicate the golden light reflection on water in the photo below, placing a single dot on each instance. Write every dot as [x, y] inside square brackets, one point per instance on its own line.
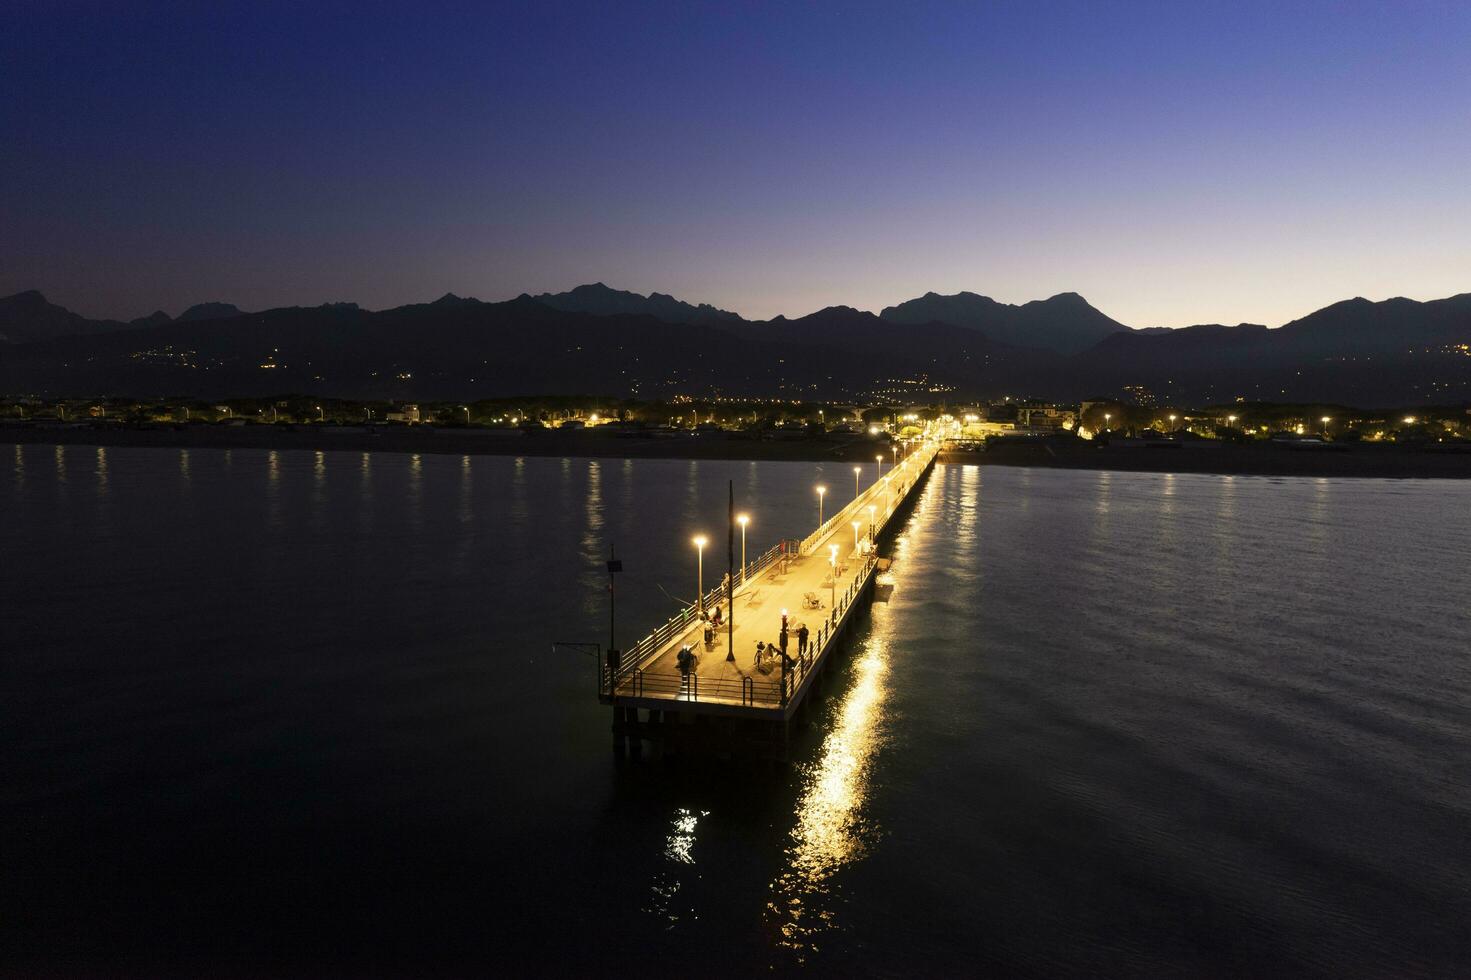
[678, 850]
[831, 831]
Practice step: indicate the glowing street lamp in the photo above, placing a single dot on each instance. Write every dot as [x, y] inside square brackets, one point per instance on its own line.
[820, 491]
[1325, 420]
[743, 520]
[700, 541]
[856, 526]
[1172, 423]
[871, 509]
[1231, 419]
[1106, 417]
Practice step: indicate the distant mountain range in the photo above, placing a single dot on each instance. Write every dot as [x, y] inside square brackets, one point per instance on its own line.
[1064, 323]
[600, 300]
[598, 340]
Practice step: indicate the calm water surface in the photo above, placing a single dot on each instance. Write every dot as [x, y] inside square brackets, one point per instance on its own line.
[299, 713]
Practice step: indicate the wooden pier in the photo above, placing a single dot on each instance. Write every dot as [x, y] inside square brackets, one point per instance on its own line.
[723, 701]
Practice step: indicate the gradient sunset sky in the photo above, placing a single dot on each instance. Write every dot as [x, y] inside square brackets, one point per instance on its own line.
[1174, 162]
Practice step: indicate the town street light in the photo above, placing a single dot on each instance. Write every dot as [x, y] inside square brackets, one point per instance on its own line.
[1106, 417]
[700, 541]
[1325, 420]
[1231, 419]
[820, 491]
[319, 414]
[856, 471]
[1172, 423]
[743, 520]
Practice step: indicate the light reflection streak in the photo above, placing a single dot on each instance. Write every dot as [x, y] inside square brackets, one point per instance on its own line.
[678, 850]
[592, 539]
[970, 492]
[365, 491]
[60, 464]
[184, 466]
[465, 540]
[518, 494]
[20, 468]
[1318, 526]
[831, 831]
[101, 471]
[319, 490]
[416, 497]
[273, 489]
[680, 845]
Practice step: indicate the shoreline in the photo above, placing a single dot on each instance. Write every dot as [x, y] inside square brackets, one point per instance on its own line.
[1361, 461]
[452, 442]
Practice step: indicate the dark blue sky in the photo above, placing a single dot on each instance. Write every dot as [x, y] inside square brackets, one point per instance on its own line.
[1174, 162]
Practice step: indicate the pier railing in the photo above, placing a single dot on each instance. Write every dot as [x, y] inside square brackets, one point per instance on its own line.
[883, 489]
[759, 690]
[635, 657]
[631, 677]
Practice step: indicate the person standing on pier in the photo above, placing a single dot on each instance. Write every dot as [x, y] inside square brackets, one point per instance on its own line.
[801, 639]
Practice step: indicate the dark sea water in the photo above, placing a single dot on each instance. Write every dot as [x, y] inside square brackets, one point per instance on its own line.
[299, 714]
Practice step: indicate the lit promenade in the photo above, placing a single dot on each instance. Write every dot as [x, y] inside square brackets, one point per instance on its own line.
[817, 581]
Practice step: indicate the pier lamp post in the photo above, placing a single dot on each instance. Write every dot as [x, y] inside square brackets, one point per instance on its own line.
[832, 560]
[856, 471]
[743, 520]
[871, 509]
[699, 542]
[856, 526]
[820, 491]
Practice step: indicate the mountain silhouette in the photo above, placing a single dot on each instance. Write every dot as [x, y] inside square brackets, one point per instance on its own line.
[1065, 323]
[1396, 352]
[29, 316]
[209, 311]
[602, 300]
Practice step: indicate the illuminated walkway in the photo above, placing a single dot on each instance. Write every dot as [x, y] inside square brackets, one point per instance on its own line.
[797, 577]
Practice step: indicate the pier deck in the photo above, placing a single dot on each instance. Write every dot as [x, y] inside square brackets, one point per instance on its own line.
[797, 577]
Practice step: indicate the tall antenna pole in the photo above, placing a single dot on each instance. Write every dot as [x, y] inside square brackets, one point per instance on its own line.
[730, 576]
